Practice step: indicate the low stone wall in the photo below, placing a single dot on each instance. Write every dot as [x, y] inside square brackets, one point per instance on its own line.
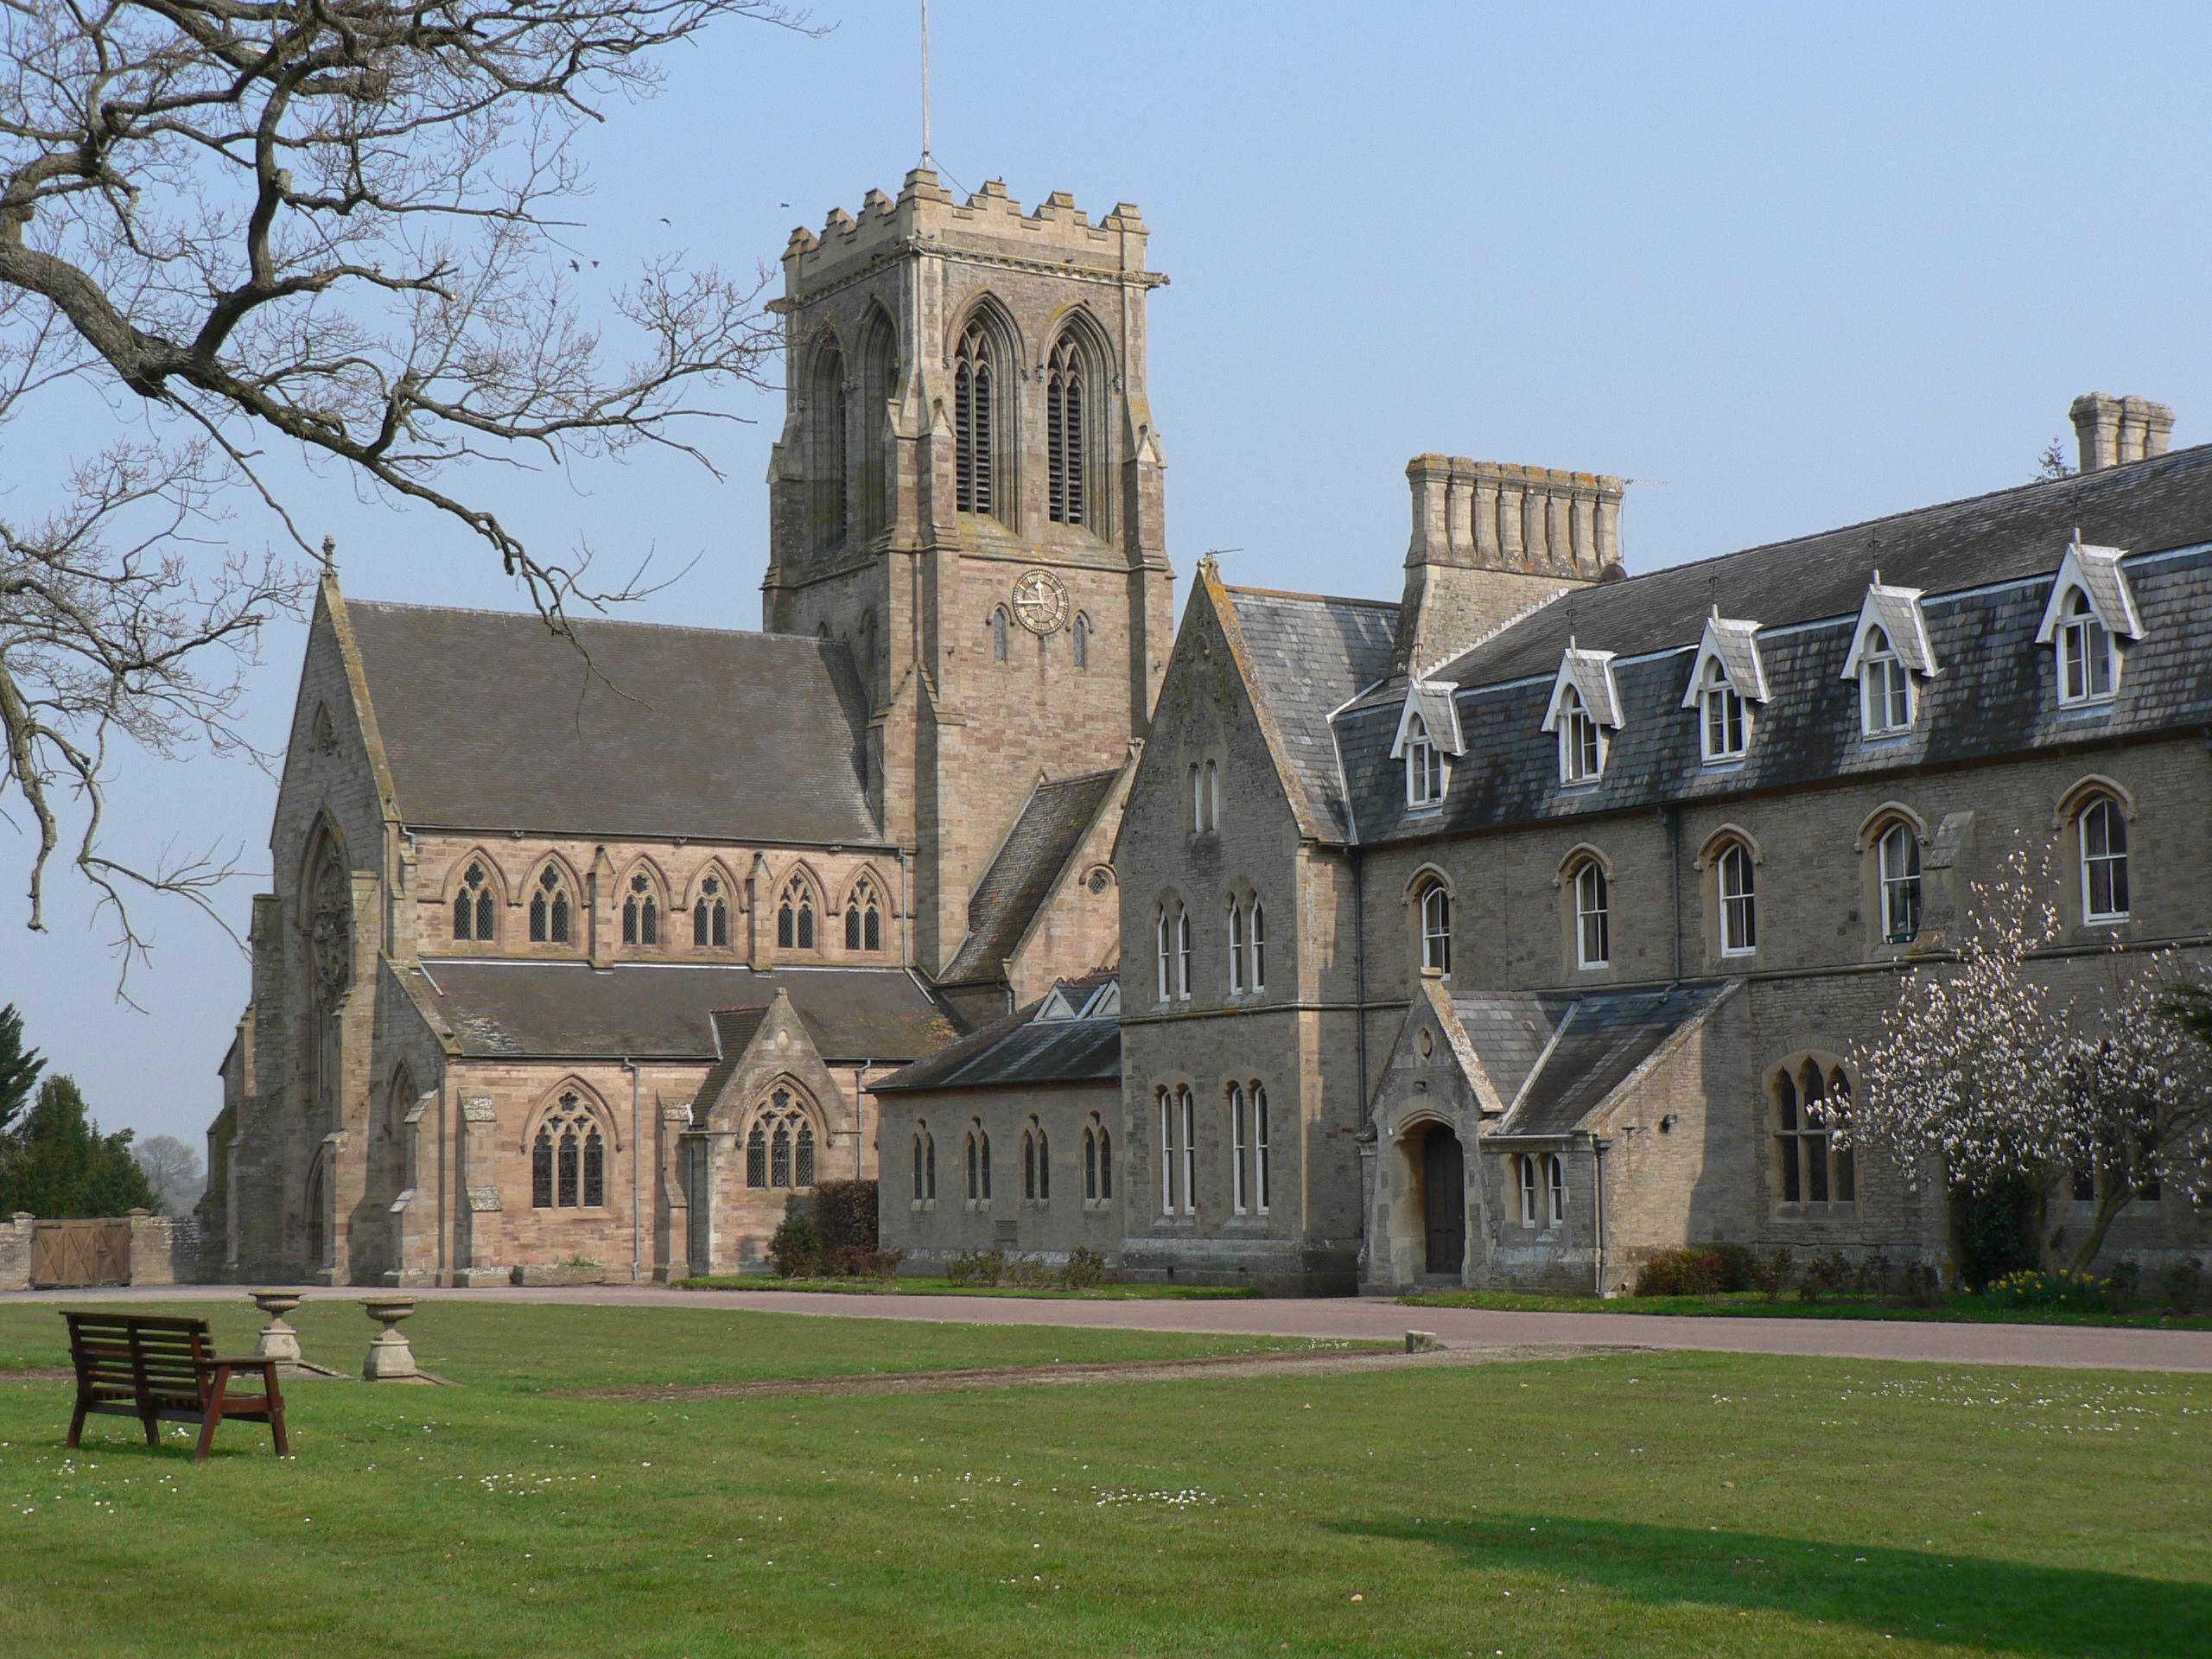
[164, 1250]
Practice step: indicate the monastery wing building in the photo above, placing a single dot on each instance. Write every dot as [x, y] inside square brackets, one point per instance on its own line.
[589, 952]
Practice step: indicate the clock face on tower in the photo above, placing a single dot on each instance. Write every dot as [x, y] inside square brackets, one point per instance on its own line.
[1041, 601]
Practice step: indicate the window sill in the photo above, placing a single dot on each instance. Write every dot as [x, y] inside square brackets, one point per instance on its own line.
[922, 1205]
[978, 1206]
[1094, 1206]
[1817, 1210]
[1424, 809]
[1888, 735]
[1723, 762]
[1579, 786]
[2103, 705]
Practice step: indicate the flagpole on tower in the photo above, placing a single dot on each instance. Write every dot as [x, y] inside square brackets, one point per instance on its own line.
[926, 160]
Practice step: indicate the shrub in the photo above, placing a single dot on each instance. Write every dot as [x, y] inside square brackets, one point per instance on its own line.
[2180, 1284]
[1029, 1272]
[850, 1261]
[1774, 1274]
[1923, 1285]
[1085, 1269]
[1874, 1275]
[1830, 1275]
[1740, 1265]
[976, 1268]
[844, 1215]
[2072, 1292]
[1691, 1271]
[796, 1247]
[2126, 1281]
[1994, 1233]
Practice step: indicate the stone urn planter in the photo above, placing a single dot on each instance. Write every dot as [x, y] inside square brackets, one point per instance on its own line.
[390, 1359]
[279, 1340]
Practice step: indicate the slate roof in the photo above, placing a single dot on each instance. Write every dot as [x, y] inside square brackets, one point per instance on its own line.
[1019, 1050]
[1554, 1056]
[2142, 506]
[1308, 655]
[664, 1012]
[1037, 850]
[490, 722]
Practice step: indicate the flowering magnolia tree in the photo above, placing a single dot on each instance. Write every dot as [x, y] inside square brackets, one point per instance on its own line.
[1980, 1072]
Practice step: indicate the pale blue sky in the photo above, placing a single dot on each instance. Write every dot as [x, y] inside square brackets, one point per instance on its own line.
[1784, 267]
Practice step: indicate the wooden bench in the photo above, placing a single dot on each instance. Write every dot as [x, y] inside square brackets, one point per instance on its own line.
[159, 1369]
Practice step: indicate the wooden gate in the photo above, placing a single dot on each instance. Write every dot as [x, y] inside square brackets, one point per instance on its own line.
[66, 1254]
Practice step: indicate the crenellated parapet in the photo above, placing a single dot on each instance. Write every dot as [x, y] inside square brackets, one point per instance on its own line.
[989, 225]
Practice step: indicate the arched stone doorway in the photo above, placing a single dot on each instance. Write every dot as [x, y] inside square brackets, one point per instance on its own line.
[1442, 1165]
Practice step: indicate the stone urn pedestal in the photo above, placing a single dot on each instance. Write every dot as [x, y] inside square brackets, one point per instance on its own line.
[278, 1341]
[390, 1359]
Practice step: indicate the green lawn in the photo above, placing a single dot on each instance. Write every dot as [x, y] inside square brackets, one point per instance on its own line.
[1959, 1308]
[1631, 1505]
[930, 1285]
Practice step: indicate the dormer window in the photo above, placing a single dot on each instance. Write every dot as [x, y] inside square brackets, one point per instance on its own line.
[2090, 612]
[1581, 745]
[1727, 723]
[1884, 689]
[2086, 669]
[1424, 765]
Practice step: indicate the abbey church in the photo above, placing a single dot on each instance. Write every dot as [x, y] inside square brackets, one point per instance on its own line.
[1499, 929]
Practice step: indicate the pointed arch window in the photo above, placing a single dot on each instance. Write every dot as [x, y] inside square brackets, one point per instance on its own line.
[826, 460]
[863, 919]
[1436, 927]
[1236, 947]
[1581, 740]
[549, 908]
[1726, 724]
[1097, 1161]
[1555, 1189]
[1594, 931]
[975, 389]
[1163, 923]
[924, 1164]
[1079, 641]
[878, 359]
[779, 1148]
[1738, 890]
[795, 917]
[1424, 765]
[1068, 500]
[568, 1160]
[1036, 1165]
[640, 913]
[999, 634]
[1182, 955]
[1240, 1150]
[1811, 1101]
[476, 916]
[2104, 861]
[710, 914]
[1524, 1171]
[1884, 688]
[2086, 670]
[1256, 934]
[1898, 856]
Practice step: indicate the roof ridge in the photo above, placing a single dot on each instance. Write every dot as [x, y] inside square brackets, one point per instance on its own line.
[2202, 452]
[586, 621]
[1316, 598]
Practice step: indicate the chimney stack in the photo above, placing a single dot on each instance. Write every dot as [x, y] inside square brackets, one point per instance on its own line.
[2114, 431]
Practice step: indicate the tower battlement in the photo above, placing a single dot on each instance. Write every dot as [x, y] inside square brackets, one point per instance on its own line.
[990, 224]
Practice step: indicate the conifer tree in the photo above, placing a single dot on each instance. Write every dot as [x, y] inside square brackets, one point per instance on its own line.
[59, 1166]
[19, 1067]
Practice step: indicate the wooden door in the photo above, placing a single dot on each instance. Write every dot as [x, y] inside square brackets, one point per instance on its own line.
[66, 1254]
[1445, 1181]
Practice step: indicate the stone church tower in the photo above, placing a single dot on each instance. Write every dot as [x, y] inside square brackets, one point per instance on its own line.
[967, 491]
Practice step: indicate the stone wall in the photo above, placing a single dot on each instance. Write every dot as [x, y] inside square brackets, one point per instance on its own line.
[15, 1251]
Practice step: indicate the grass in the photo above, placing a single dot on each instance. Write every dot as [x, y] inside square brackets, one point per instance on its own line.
[1959, 1308]
[1645, 1504]
[930, 1285]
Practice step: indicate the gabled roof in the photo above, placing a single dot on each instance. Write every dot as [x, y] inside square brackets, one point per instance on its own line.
[1734, 644]
[1304, 656]
[1021, 1050]
[1591, 675]
[1046, 833]
[2096, 571]
[1897, 613]
[1439, 714]
[1556, 1057]
[569, 1010]
[488, 721]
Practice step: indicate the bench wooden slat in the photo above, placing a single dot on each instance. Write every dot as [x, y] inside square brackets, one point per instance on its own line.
[158, 1368]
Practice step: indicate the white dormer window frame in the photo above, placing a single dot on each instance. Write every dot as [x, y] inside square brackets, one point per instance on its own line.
[1724, 718]
[2091, 609]
[1581, 742]
[1723, 703]
[1424, 765]
[1889, 651]
[1585, 707]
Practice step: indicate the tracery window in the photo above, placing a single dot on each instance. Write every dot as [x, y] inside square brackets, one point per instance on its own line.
[1594, 931]
[474, 914]
[795, 917]
[1436, 927]
[2104, 861]
[1898, 855]
[1810, 1101]
[974, 414]
[1727, 723]
[549, 908]
[863, 919]
[1581, 743]
[1067, 500]
[779, 1146]
[1884, 688]
[640, 913]
[567, 1161]
[1739, 921]
[2086, 669]
[710, 914]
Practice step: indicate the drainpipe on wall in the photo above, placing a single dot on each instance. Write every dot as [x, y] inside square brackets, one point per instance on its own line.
[636, 1177]
[1359, 972]
[1600, 1148]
